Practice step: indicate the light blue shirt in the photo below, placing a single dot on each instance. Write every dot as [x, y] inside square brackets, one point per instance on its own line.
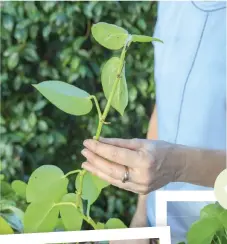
[190, 76]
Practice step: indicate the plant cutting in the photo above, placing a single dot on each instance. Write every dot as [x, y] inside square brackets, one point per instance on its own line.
[51, 207]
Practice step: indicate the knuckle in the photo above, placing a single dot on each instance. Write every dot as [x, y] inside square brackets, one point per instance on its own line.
[146, 189]
[115, 154]
[134, 140]
[145, 180]
[144, 157]
[112, 173]
[96, 147]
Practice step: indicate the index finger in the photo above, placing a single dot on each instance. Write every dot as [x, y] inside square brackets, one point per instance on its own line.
[115, 154]
[133, 144]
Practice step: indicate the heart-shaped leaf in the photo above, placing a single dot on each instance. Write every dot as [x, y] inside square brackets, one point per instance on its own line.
[141, 38]
[19, 187]
[71, 217]
[211, 211]
[115, 223]
[100, 183]
[223, 219]
[66, 97]
[46, 182]
[203, 231]
[92, 187]
[90, 192]
[60, 226]
[108, 77]
[100, 226]
[110, 36]
[40, 217]
[5, 227]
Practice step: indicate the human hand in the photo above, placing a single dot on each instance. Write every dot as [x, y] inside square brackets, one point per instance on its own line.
[151, 164]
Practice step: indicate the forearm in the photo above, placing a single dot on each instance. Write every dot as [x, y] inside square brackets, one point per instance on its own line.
[140, 217]
[200, 166]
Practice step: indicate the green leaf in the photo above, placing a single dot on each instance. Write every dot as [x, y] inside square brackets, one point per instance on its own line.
[30, 55]
[13, 61]
[12, 49]
[92, 187]
[90, 192]
[100, 226]
[100, 183]
[5, 204]
[2, 177]
[14, 215]
[71, 217]
[60, 226]
[40, 217]
[108, 35]
[8, 22]
[203, 231]
[215, 211]
[211, 210]
[46, 182]
[19, 187]
[6, 189]
[108, 77]
[75, 63]
[21, 34]
[14, 221]
[66, 97]
[223, 218]
[5, 227]
[141, 38]
[115, 223]
[18, 212]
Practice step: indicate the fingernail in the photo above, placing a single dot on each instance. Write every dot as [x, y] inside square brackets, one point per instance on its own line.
[83, 165]
[87, 142]
[84, 152]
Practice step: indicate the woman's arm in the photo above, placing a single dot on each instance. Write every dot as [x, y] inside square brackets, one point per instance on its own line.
[200, 166]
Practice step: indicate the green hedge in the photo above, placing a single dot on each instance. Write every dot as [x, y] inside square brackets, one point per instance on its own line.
[52, 40]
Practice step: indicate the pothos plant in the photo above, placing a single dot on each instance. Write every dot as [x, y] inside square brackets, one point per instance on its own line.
[51, 207]
[210, 228]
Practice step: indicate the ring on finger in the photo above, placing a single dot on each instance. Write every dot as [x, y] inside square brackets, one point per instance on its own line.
[126, 175]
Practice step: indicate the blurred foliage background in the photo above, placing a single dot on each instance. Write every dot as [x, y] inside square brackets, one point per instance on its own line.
[52, 41]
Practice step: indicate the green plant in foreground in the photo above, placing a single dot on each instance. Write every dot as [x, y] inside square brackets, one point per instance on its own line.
[211, 228]
[46, 191]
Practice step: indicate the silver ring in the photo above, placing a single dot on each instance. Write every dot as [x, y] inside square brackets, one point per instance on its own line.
[126, 175]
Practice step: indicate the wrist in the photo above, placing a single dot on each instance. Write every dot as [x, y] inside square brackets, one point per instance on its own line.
[176, 157]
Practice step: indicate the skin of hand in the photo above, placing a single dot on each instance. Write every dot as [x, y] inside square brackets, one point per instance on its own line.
[146, 161]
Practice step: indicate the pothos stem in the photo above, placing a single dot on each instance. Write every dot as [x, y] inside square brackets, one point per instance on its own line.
[102, 118]
[107, 108]
[72, 172]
